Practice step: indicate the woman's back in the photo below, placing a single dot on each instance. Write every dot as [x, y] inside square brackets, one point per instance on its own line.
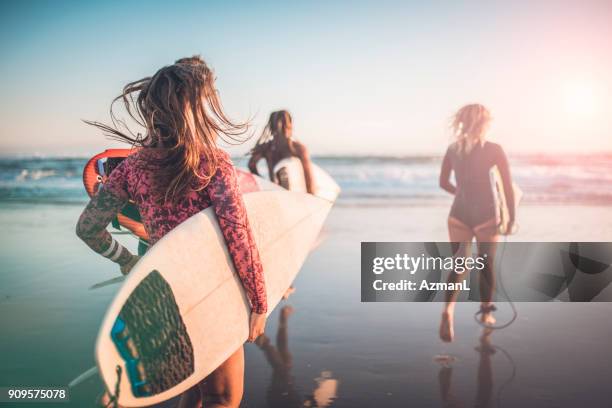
[472, 168]
[474, 202]
[135, 179]
[178, 172]
[274, 153]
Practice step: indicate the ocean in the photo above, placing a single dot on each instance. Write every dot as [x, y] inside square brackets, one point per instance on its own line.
[559, 179]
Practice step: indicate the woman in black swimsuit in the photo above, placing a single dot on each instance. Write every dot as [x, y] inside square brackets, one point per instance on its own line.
[473, 213]
[275, 144]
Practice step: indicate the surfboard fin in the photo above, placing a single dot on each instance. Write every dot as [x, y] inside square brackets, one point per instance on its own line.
[107, 282]
[87, 374]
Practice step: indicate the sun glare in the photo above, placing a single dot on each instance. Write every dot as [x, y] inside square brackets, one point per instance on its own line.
[580, 99]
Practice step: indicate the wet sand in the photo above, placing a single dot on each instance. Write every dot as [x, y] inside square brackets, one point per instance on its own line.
[369, 354]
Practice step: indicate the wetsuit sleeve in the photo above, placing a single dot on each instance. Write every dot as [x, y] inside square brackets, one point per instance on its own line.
[307, 166]
[504, 170]
[229, 207]
[100, 211]
[445, 172]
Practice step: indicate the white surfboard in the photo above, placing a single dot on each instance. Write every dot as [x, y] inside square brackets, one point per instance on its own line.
[291, 176]
[502, 211]
[182, 310]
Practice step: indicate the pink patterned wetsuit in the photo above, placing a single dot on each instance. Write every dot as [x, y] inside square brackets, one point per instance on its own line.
[133, 181]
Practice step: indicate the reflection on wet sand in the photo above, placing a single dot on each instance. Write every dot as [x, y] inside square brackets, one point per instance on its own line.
[484, 377]
[282, 391]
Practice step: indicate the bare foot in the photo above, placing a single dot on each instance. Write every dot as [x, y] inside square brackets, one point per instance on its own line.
[447, 332]
[288, 292]
[487, 319]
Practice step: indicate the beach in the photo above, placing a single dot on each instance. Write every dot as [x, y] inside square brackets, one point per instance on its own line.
[411, 108]
[334, 346]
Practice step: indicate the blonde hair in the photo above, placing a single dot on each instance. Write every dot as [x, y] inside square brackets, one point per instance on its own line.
[469, 126]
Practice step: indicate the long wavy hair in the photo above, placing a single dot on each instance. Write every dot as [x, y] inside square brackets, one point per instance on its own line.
[274, 134]
[182, 115]
[469, 126]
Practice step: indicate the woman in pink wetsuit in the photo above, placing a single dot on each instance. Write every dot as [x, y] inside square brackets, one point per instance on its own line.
[178, 172]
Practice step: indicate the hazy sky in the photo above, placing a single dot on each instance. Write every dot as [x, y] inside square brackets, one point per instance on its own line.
[372, 77]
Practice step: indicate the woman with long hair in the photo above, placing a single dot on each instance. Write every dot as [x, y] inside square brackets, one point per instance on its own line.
[473, 213]
[275, 144]
[177, 172]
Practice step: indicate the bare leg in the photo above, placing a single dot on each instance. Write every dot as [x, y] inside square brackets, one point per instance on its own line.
[462, 235]
[487, 238]
[224, 386]
[192, 398]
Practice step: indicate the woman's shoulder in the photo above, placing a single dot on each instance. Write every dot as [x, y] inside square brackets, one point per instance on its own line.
[144, 154]
[129, 162]
[453, 148]
[142, 159]
[494, 148]
[299, 148]
[223, 156]
[224, 160]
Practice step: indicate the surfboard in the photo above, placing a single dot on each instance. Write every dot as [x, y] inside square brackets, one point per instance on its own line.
[290, 175]
[182, 310]
[502, 211]
[96, 171]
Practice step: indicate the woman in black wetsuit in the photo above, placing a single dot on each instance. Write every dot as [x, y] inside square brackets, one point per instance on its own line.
[473, 213]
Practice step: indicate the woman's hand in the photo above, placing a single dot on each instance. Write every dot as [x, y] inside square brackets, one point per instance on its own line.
[257, 325]
[127, 267]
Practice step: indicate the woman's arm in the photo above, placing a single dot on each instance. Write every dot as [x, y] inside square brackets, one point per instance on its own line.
[100, 211]
[306, 165]
[445, 173]
[229, 207]
[91, 227]
[504, 171]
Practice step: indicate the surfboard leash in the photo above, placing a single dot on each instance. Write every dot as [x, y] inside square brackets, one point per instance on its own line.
[510, 379]
[502, 326]
[504, 292]
[114, 399]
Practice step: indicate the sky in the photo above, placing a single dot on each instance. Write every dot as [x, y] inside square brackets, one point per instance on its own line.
[360, 78]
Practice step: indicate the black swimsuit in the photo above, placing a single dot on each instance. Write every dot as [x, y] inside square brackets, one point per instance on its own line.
[474, 203]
